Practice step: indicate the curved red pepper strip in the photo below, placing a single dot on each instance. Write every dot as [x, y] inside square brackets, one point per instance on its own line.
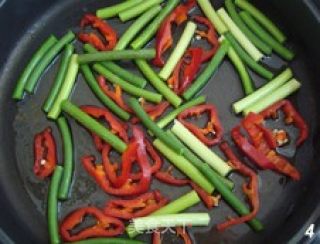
[186, 70]
[184, 235]
[156, 237]
[168, 178]
[97, 172]
[129, 157]
[109, 34]
[210, 35]
[164, 38]
[213, 126]
[249, 150]
[174, 81]
[111, 169]
[45, 153]
[138, 207]
[180, 231]
[291, 117]
[192, 61]
[281, 165]
[254, 123]
[115, 95]
[105, 226]
[117, 127]
[250, 189]
[154, 111]
[209, 200]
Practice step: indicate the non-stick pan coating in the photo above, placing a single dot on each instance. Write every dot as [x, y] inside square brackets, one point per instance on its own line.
[23, 196]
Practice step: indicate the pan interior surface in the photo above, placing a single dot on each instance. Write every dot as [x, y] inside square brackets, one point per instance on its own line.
[25, 195]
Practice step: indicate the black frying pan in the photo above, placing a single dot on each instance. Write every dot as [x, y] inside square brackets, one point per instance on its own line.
[288, 208]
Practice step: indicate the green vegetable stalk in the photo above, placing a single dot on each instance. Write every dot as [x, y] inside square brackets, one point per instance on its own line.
[116, 55]
[268, 88]
[130, 89]
[180, 204]
[136, 27]
[46, 60]
[128, 76]
[262, 19]
[68, 162]
[171, 220]
[137, 10]
[94, 126]
[66, 87]
[95, 88]
[200, 149]
[178, 51]
[33, 62]
[280, 93]
[157, 83]
[151, 29]
[113, 10]
[54, 91]
[238, 34]
[53, 223]
[184, 165]
[164, 121]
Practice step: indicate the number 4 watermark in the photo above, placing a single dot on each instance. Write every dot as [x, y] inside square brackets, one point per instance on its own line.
[310, 231]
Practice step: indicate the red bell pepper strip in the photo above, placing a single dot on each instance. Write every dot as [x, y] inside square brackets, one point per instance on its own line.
[192, 61]
[115, 95]
[109, 34]
[249, 150]
[117, 127]
[250, 189]
[180, 231]
[212, 133]
[138, 154]
[105, 226]
[291, 117]
[45, 154]
[209, 200]
[156, 237]
[97, 172]
[183, 234]
[260, 150]
[125, 185]
[210, 35]
[111, 168]
[186, 70]
[164, 38]
[154, 111]
[138, 207]
[252, 123]
[168, 178]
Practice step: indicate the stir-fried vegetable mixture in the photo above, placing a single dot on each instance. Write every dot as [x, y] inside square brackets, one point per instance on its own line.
[139, 129]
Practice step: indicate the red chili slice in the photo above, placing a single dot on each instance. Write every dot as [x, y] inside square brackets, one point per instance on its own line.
[108, 33]
[117, 127]
[250, 189]
[168, 178]
[164, 38]
[105, 226]
[45, 153]
[138, 207]
[291, 117]
[213, 128]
